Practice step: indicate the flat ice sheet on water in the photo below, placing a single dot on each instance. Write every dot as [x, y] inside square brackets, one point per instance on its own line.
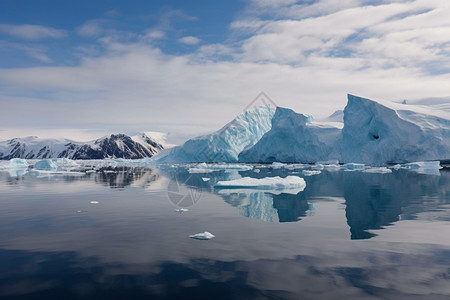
[267, 183]
[424, 167]
[379, 170]
[202, 236]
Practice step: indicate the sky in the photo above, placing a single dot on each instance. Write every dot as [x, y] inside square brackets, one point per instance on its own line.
[82, 69]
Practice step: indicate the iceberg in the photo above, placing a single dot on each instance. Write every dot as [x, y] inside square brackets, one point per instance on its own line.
[373, 133]
[202, 236]
[266, 183]
[381, 132]
[17, 167]
[46, 164]
[18, 163]
[295, 138]
[225, 144]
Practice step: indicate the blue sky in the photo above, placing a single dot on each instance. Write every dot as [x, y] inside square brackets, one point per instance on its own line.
[84, 68]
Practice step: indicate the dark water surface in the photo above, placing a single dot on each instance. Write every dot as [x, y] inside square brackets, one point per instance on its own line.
[348, 235]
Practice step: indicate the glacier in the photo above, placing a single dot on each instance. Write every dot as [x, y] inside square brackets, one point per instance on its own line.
[225, 144]
[373, 133]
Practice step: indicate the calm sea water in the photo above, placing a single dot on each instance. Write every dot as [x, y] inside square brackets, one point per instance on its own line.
[115, 234]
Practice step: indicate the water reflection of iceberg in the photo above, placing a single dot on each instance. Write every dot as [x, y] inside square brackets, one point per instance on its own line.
[267, 206]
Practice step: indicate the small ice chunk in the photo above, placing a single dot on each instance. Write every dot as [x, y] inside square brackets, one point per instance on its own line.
[267, 183]
[202, 236]
[425, 167]
[256, 170]
[396, 167]
[46, 164]
[332, 168]
[18, 163]
[311, 172]
[199, 170]
[317, 167]
[379, 170]
[181, 210]
[205, 179]
[94, 202]
[354, 167]
[277, 165]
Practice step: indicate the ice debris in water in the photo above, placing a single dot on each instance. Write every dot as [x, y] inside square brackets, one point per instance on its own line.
[267, 183]
[94, 202]
[379, 170]
[205, 179]
[424, 167]
[202, 236]
[18, 163]
[354, 167]
[46, 164]
[311, 172]
[181, 210]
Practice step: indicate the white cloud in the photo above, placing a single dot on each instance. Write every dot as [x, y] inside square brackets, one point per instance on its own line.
[189, 40]
[153, 34]
[390, 51]
[92, 28]
[32, 32]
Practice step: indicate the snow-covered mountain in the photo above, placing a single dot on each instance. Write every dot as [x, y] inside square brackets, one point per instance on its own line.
[225, 144]
[374, 132]
[112, 146]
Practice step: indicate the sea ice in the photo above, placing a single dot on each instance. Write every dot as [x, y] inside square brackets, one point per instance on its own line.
[181, 210]
[424, 167]
[267, 183]
[46, 164]
[379, 170]
[354, 167]
[18, 163]
[205, 179]
[202, 236]
[311, 172]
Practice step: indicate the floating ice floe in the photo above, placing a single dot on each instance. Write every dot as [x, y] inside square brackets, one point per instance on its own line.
[311, 172]
[318, 167]
[295, 166]
[379, 170]
[267, 183]
[17, 167]
[231, 191]
[18, 163]
[46, 164]
[206, 179]
[202, 236]
[424, 167]
[199, 171]
[277, 165]
[181, 210]
[94, 202]
[256, 170]
[354, 167]
[332, 167]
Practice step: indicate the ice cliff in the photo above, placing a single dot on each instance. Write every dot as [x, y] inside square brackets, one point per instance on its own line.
[225, 144]
[374, 132]
[295, 138]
